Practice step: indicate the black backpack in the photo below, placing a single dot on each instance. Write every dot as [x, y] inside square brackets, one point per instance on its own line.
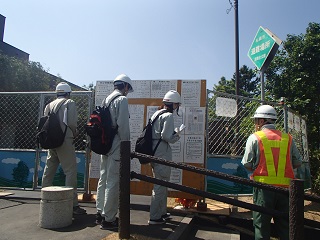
[99, 129]
[49, 132]
[144, 141]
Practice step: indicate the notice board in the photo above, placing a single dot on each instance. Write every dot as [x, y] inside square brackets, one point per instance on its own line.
[191, 147]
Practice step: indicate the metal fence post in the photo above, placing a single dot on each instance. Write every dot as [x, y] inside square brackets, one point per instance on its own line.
[37, 159]
[296, 210]
[124, 191]
[87, 193]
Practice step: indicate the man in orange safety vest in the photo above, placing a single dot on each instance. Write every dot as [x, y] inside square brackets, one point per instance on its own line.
[271, 155]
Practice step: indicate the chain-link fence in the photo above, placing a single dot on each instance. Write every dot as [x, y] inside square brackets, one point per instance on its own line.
[230, 124]
[20, 113]
[22, 161]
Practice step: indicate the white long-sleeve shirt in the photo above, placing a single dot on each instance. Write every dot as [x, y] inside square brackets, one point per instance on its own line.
[119, 112]
[163, 128]
[72, 115]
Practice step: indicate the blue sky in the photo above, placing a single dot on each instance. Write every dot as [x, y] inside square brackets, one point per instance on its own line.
[86, 41]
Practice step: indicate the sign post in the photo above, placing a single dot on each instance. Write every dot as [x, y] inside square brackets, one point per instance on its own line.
[262, 51]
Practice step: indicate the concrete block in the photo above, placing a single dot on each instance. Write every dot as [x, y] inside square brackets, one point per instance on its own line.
[56, 207]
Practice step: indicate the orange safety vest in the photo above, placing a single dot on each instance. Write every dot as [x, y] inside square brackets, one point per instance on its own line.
[275, 165]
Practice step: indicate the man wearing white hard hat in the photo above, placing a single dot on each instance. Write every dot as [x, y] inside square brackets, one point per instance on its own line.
[64, 154]
[108, 186]
[271, 155]
[163, 128]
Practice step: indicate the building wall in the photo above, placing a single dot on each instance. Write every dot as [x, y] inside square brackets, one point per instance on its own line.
[13, 52]
[6, 48]
[2, 21]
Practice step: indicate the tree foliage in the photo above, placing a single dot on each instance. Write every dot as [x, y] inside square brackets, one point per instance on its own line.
[18, 75]
[248, 82]
[294, 74]
[20, 173]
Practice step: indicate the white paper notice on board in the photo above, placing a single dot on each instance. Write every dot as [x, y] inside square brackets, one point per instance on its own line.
[141, 89]
[175, 177]
[190, 93]
[194, 149]
[136, 112]
[178, 119]
[195, 120]
[160, 87]
[103, 89]
[177, 150]
[95, 165]
[226, 107]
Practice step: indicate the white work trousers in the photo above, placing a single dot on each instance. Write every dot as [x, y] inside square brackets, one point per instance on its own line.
[158, 205]
[108, 188]
[66, 156]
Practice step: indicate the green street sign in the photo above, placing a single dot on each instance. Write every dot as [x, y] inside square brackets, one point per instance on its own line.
[261, 47]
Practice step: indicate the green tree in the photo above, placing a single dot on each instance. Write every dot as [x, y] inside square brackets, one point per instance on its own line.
[90, 87]
[20, 174]
[18, 75]
[248, 87]
[248, 82]
[294, 74]
[224, 85]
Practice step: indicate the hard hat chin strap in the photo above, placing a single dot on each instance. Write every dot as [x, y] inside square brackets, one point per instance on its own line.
[67, 94]
[177, 109]
[269, 120]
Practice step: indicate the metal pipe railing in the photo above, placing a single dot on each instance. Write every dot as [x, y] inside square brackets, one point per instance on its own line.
[124, 191]
[295, 192]
[296, 210]
[212, 196]
[221, 175]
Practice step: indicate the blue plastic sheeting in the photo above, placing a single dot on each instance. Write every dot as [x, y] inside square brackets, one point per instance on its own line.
[231, 166]
[234, 167]
[17, 169]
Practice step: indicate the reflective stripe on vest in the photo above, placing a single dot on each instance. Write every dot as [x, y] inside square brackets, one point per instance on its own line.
[267, 171]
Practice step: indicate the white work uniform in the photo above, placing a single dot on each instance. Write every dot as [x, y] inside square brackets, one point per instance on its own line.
[108, 186]
[65, 154]
[163, 128]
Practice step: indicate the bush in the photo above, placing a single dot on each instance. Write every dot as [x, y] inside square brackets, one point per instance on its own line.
[315, 171]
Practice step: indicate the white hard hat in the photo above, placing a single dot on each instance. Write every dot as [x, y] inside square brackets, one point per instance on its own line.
[63, 88]
[123, 78]
[172, 96]
[265, 111]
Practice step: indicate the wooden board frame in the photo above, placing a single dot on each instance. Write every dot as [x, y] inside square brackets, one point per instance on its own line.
[190, 179]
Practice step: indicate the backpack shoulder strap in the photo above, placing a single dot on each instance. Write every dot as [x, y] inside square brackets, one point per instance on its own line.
[160, 113]
[114, 98]
[56, 107]
[160, 139]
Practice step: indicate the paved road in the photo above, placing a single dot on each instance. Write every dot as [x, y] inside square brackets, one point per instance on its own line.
[20, 217]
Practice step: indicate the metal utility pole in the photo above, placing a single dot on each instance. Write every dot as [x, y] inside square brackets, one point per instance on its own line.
[236, 31]
[236, 25]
